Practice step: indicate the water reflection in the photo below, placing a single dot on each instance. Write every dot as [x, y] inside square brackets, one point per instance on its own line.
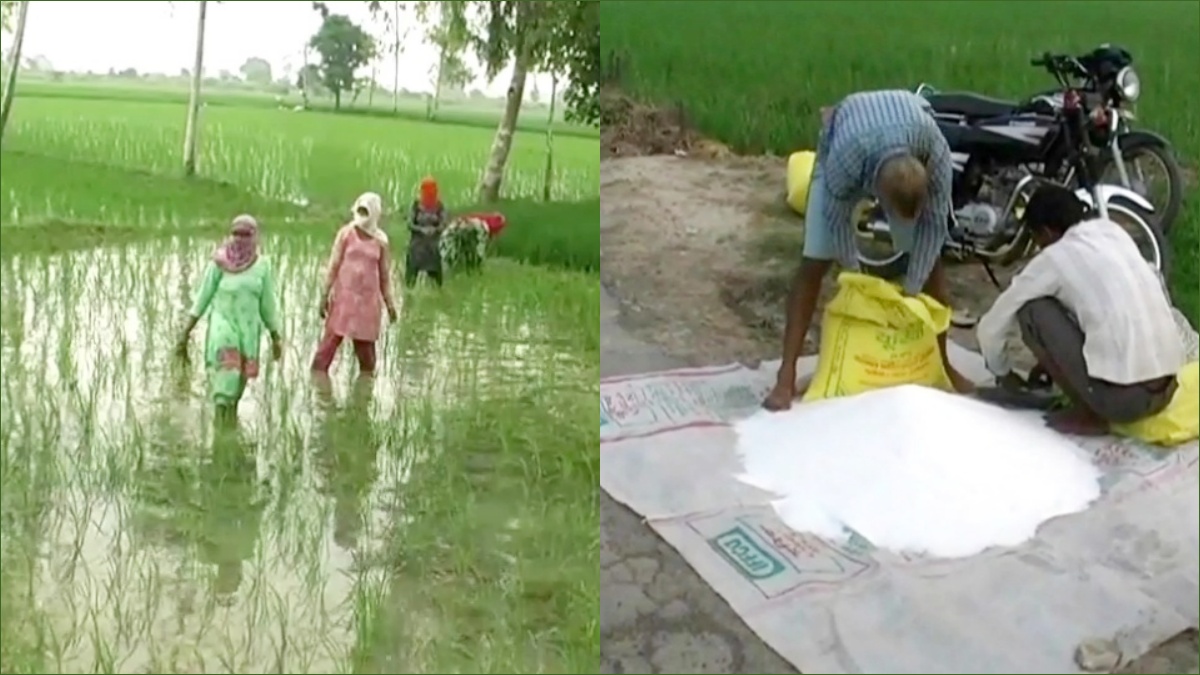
[348, 448]
[138, 537]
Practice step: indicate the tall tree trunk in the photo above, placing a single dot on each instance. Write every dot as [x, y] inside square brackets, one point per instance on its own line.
[435, 102]
[14, 65]
[191, 132]
[396, 57]
[371, 91]
[304, 80]
[548, 180]
[489, 185]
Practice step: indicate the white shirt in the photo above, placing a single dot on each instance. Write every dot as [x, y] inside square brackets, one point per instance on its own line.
[1097, 272]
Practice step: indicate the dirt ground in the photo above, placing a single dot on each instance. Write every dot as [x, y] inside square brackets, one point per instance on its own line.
[702, 251]
[699, 245]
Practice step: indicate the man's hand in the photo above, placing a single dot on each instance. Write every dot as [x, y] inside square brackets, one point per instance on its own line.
[276, 347]
[787, 389]
[781, 396]
[1011, 381]
[391, 312]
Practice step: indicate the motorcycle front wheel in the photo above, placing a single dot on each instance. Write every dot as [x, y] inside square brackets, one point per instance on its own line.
[1146, 234]
[877, 253]
[1153, 170]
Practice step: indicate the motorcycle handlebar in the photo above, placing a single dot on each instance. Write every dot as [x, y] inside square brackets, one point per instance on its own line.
[1058, 64]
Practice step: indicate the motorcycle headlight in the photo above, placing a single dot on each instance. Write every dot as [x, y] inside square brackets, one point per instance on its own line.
[1129, 84]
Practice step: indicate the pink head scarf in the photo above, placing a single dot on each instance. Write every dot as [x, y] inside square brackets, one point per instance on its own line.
[240, 249]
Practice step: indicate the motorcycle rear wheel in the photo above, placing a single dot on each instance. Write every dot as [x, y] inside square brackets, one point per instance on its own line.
[879, 257]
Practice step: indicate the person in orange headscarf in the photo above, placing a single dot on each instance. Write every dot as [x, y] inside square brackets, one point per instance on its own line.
[426, 225]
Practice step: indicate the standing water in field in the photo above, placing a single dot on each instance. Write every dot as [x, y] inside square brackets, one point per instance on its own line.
[140, 538]
[915, 469]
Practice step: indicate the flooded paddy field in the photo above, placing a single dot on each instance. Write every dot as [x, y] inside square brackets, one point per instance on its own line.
[439, 518]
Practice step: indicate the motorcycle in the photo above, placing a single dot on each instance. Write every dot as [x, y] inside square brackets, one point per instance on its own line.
[1110, 85]
[1000, 156]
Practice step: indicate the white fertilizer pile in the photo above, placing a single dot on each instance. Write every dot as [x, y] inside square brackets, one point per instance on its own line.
[915, 469]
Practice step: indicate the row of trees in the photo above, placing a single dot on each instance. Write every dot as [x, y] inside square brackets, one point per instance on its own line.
[559, 37]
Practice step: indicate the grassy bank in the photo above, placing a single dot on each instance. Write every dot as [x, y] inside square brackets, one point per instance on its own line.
[63, 213]
[754, 74]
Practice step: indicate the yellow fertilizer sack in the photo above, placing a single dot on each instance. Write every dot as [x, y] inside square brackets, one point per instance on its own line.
[1179, 422]
[873, 336]
[799, 177]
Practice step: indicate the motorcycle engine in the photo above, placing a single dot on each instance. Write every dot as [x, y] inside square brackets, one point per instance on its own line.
[978, 219]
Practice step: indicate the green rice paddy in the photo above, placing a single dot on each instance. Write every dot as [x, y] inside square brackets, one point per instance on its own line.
[441, 518]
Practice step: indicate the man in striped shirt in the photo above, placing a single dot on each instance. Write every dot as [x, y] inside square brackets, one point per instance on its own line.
[885, 144]
[1094, 314]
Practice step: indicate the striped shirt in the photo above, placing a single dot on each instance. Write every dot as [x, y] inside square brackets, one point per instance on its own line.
[866, 129]
[1097, 272]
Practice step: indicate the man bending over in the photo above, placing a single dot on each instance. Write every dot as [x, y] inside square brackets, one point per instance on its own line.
[886, 144]
[1094, 314]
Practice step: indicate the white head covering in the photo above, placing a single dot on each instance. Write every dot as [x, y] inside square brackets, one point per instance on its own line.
[369, 223]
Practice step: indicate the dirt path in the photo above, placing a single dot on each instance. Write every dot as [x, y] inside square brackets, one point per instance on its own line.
[698, 255]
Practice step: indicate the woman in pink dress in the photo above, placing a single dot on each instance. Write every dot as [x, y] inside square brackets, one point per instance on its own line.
[357, 288]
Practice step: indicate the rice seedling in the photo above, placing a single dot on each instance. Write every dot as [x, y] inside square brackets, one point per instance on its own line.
[439, 519]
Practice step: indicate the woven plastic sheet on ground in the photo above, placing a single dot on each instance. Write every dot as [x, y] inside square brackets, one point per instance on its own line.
[1126, 569]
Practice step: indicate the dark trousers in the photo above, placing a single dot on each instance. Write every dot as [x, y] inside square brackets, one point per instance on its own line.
[327, 350]
[1054, 337]
[410, 276]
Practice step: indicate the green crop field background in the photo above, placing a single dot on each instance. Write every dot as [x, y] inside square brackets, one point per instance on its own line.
[754, 74]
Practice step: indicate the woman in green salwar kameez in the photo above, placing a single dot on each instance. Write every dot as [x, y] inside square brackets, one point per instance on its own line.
[238, 294]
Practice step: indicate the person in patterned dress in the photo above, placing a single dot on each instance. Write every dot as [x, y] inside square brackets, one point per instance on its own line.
[238, 296]
[357, 288]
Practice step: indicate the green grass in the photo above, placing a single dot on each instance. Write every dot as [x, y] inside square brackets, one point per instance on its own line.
[442, 521]
[309, 157]
[550, 234]
[482, 114]
[754, 74]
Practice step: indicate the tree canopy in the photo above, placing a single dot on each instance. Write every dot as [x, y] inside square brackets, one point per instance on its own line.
[561, 36]
[344, 47]
[256, 70]
[8, 9]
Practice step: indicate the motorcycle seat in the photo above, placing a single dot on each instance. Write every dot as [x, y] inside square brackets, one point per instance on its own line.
[971, 105]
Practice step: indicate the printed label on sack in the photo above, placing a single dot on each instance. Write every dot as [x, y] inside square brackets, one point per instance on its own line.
[777, 560]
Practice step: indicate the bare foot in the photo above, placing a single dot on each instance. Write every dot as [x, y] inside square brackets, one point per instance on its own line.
[1076, 422]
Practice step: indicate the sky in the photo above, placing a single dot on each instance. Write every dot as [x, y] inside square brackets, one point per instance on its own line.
[160, 37]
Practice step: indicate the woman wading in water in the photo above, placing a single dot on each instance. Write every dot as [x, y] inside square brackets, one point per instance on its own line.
[238, 296]
[357, 288]
[428, 221]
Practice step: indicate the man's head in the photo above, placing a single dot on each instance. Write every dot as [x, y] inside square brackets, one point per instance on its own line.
[1051, 211]
[903, 183]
